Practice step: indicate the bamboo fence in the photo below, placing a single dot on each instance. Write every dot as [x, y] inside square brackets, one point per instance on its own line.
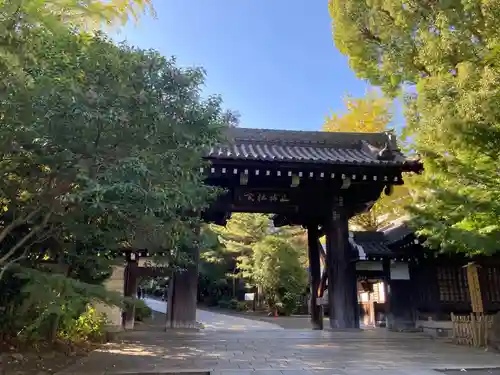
[472, 330]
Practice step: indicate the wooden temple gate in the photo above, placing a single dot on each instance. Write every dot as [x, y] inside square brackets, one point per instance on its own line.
[317, 180]
[132, 273]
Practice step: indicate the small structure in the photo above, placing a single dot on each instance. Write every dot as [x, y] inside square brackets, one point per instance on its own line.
[423, 287]
[385, 269]
[124, 280]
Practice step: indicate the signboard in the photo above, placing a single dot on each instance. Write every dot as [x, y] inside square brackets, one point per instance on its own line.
[400, 271]
[249, 296]
[265, 200]
[474, 288]
[262, 197]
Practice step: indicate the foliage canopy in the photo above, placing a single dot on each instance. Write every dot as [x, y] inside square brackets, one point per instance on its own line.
[443, 56]
[101, 150]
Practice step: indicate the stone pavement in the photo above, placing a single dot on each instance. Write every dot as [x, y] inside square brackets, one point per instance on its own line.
[216, 321]
[281, 352]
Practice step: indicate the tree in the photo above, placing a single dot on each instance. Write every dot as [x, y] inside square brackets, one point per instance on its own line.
[55, 16]
[443, 53]
[125, 156]
[101, 150]
[371, 113]
[242, 232]
[237, 240]
[71, 13]
[278, 271]
[215, 264]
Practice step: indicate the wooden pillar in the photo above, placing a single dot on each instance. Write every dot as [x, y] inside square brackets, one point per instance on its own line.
[315, 276]
[399, 296]
[386, 264]
[342, 286]
[182, 295]
[130, 290]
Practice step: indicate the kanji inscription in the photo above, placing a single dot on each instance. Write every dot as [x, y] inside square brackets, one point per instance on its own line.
[264, 197]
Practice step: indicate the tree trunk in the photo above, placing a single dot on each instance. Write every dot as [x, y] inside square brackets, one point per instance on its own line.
[182, 296]
[342, 286]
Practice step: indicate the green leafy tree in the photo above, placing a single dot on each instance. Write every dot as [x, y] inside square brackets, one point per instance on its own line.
[444, 53]
[101, 150]
[231, 260]
[238, 238]
[278, 270]
[238, 241]
[63, 13]
[242, 231]
[56, 16]
[214, 266]
[119, 167]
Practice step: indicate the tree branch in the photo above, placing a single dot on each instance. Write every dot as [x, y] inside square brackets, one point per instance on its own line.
[11, 262]
[23, 241]
[9, 228]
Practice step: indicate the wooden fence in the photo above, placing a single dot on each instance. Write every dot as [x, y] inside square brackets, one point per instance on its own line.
[471, 329]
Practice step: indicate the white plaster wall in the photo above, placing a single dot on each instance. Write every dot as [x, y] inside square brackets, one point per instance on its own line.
[113, 313]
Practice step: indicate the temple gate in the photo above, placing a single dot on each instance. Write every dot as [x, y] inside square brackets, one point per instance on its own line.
[318, 180]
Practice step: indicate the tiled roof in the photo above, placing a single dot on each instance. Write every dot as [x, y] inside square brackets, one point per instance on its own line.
[396, 233]
[385, 242]
[372, 243]
[309, 147]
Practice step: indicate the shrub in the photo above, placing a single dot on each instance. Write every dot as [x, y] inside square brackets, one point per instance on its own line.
[290, 303]
[242, 306]
[89, 326]
[142, 311]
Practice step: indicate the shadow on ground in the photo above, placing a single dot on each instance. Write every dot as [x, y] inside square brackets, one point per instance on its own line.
[287, 352]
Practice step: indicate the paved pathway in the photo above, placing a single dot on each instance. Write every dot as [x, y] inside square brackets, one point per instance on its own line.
[215, 321]
[280, 352]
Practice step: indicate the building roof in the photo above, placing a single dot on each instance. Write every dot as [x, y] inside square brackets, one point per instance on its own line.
[371, 244]
[385, 243]
[310, 147]
[397, 232]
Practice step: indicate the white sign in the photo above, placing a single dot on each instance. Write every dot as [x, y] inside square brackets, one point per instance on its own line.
[400, 271]
[249, 296]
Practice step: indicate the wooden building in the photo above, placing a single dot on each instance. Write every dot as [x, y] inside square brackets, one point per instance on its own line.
[421, 284]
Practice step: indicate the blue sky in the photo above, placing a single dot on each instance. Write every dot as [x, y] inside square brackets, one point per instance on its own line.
[272, 61]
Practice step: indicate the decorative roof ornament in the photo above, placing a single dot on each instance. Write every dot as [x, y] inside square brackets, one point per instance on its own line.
[386, 153]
